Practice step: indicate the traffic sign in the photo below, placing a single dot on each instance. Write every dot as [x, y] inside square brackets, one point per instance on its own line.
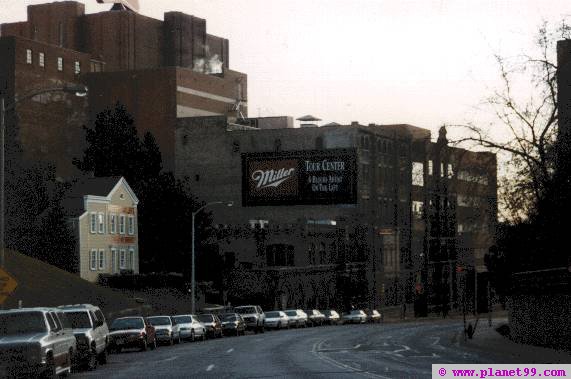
[7, 285]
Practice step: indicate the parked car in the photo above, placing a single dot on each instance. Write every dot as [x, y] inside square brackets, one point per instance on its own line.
[253, 316]
[331, 317]
[297, 317]
[356, 316]
[233, 323]
[91, 333]
[190, 327]
[166, 329]
[314, 317]
[373, 316]
[129, 332]
[34, 341]
[276, 320]
[212, 325]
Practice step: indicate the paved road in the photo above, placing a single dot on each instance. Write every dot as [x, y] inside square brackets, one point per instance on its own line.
[348, 351]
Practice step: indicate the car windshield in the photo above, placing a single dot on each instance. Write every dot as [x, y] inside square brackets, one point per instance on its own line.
[127, 323]
[356, 312]
[183, 319]
[273, 314]
[229, 317]
[22, 323]
[245, 310]
[79, 320]
[205, 318]
[160, 320]
[291, 313]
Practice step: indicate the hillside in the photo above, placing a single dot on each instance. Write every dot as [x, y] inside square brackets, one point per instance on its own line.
[40, 284]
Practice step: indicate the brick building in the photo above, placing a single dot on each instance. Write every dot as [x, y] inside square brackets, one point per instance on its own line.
[423, 210]
[160, 70]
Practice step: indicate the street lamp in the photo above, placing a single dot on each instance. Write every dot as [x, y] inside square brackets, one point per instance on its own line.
[192, 279]
[77, 89]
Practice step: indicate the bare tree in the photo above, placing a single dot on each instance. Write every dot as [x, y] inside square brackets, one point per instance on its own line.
[525, 112]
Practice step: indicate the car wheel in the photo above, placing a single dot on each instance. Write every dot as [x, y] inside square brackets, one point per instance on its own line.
[103, 357]
[92, 360]
[50, 371]
[144, 345]
[192, 336]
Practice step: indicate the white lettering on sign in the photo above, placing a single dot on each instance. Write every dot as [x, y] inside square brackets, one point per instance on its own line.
[271, 178]
[324, 165]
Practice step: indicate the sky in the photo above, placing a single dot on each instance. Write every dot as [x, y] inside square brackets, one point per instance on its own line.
[420, 62]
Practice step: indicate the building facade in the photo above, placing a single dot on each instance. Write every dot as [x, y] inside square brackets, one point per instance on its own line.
[103, 216]
[160, 70]
[418, 204]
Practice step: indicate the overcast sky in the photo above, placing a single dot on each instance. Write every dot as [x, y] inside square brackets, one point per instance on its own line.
[422, 62]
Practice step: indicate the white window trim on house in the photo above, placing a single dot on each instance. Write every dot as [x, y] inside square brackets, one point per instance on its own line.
[131, 225]
[93, 222]
[114, 258]
[60, 64]
[77, 67]
[122, 259]
[101, 260]
[41, 59]
[101, 223]
[122, 224]
[93, 260]
[113, 223]
[29, 56]
[132, 258]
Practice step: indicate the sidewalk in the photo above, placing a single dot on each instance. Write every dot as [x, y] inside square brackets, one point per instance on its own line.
[487, 340]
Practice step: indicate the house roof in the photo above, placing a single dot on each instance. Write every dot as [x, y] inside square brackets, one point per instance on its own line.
[74, 203]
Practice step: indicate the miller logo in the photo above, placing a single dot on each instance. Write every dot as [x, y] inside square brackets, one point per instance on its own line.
[271, 178]
[274, 177]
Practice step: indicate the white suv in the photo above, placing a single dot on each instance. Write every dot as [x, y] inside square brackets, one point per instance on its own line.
[91, 333]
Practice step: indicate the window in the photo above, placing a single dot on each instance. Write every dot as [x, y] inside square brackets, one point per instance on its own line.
[122, 259]
[113, 260]
[77, 67]
[417, 209]
[417, 174]
[101, 259]
[93, 223]
[131, 259]
[41, 59]
[59, 63]
[131, 225]
[28, 56]
[93, 260]
[450, 171]
[113, 224]
[430, 168]
[122, 224]
[101, 223]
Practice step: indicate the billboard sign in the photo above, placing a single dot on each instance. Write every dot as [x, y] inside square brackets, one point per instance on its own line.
[300, 177]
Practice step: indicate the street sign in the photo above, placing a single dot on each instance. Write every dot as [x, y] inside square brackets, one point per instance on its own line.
[7, 285]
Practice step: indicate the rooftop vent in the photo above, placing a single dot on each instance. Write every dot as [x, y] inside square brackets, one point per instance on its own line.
[306, 121]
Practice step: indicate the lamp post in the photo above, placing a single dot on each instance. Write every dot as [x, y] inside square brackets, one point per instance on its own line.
[192, 279]
[79, 90]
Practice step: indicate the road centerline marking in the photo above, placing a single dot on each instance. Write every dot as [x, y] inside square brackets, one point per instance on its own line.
[209, 368]
[230, 350]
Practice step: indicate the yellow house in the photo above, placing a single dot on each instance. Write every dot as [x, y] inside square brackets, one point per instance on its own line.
[104, 222]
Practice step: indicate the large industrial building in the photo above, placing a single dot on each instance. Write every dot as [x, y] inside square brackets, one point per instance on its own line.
[341, 215]
[324, 216]
[159, 70]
